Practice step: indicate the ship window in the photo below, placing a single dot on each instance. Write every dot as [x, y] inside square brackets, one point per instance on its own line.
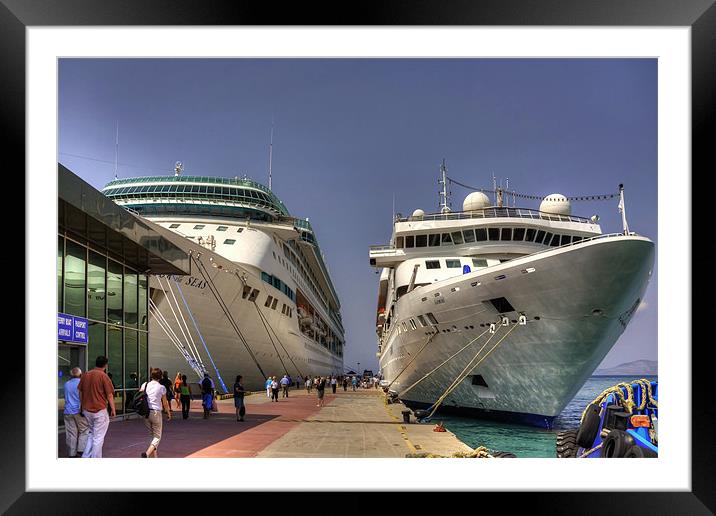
[422, 321]
[576, 239]
[199, 226]
[268, 301]
[506, 234]
[246, 291]
[530, 234]
[431, 318]
[222, 228]
[434, 239]
[413, 325]
[195, 189]
[399, 242]
[410, 241]
[566, 239]
[494, 233]
[479, 262]
[452, 264]
[283, 309]
[469, 235]
[240, 230]
[229, 241]
[273, 306]
[477, 379]
[457, 237]
[432, 264]
[540, 237]
[480, 234]
[254, 294]
[519, 234]
[446, 239]
[421, 240]
[174, 226]
[555, 241]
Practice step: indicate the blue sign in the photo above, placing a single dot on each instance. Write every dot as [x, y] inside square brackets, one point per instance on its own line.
[466, 269]
[71, 328]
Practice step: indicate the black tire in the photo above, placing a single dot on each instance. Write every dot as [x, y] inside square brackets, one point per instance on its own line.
[637, 452]
[567, 444]
[616, 444]
[589, 427]
[503, 455]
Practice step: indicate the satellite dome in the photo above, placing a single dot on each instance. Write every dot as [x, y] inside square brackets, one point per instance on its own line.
[418, 214]
[475, 201]
[557, 204]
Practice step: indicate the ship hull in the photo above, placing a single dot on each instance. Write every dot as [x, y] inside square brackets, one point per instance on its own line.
[577, 301]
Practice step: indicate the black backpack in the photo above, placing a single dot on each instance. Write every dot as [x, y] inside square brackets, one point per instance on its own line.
[140, 402]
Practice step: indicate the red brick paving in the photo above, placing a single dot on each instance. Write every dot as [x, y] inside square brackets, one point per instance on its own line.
[219, 436]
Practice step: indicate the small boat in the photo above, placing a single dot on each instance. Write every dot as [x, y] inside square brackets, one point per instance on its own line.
[622, 422]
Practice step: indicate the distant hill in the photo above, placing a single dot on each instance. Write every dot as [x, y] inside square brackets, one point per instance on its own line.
[636, 368]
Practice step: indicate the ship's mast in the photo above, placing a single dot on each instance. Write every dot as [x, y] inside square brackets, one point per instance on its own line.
[116, 148]
[270, 154]
[444, 195]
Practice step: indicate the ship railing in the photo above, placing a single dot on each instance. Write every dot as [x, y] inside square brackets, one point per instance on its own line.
[590, 239]
[488, 213]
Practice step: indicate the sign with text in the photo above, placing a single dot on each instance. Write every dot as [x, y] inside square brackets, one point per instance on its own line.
[71, 328]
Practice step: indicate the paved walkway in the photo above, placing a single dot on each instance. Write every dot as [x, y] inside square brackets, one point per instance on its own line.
[351, 424]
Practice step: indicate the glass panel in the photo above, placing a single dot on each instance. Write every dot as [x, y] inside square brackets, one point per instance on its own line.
[130, 298]
[432, 264]
[143, 358]
[446, 240]
[96, 286]
[114, 354]
[95, 343]
[555, 241]
[469, 235]
[494, 233]
[434, 239]
[480, 234]
[479, 262]
[60, 254]
[421, 240]
[410, 241]
[131, 360]
[68, 357]
[506, 234]
[519, 234]
[399, 242]
[142, 303]
[114, 292]
[457, 237]
[540, 237]
[75, 279]
[452, 264]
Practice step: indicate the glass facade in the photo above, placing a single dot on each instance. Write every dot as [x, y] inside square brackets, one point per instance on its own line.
[113, 297]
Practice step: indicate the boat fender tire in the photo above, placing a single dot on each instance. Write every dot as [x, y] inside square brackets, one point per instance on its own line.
[637, 452]
[616, 444]
[589, 427]
[567, 444]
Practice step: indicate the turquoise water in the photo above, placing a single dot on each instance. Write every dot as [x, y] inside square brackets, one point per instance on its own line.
[528, 441]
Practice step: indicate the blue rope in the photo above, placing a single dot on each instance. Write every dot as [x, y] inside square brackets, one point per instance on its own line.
[202, 339]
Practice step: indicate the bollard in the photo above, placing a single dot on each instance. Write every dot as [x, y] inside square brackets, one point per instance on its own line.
[406, 416]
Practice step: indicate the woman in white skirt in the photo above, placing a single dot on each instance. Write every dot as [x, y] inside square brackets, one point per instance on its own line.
[156, 398]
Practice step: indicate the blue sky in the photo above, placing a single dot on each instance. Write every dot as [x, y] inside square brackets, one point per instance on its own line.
[352, 133]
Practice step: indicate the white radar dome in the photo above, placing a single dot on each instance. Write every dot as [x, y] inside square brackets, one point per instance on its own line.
[475, 201]
[418, 214]
[557, 204]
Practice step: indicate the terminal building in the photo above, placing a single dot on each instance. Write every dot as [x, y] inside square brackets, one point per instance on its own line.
[105, 255]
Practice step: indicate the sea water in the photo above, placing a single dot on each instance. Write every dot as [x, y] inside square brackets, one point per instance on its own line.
[528, 441]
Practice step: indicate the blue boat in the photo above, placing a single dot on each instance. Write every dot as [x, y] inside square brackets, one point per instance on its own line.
[622, 422]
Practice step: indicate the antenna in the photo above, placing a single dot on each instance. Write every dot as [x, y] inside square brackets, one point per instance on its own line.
[494, 186]
[444, 208]
[116, 148]
[270, 153]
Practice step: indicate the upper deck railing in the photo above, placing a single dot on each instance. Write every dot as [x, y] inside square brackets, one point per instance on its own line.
[488, 213]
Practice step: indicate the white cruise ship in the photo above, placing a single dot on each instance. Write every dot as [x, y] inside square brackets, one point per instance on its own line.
[503, 312]
[259, 301]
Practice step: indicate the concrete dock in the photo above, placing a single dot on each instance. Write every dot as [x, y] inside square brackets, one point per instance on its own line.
[350, 424]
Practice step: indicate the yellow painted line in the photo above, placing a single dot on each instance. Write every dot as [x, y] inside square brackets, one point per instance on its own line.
[402, 430]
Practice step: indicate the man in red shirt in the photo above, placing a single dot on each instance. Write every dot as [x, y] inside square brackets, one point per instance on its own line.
[96, 390]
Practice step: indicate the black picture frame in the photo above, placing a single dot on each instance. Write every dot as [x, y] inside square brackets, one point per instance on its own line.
[700, 15]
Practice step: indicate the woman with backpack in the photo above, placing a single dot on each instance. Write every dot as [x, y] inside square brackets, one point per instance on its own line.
[185, 397]
[156, 395]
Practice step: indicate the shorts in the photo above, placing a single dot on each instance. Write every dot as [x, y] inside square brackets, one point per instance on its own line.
[238, 402]
[320, 394]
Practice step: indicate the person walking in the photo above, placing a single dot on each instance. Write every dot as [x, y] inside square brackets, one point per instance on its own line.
[345, 383]
[185, 397]
[269, 380]
[274, 389]
[239, 398]
[157, 401]
[334, 381]
[76, 428]
[207, 395]
[309, 384]
[354, 382]
[320, 391]
[285, 382]
[177, 389]
[167, 384]
[96, 391]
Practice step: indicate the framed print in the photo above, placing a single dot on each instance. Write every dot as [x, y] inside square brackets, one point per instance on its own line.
[50, 49]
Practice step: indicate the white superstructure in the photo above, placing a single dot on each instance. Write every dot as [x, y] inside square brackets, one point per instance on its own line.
[503, 311]
[259, 300]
